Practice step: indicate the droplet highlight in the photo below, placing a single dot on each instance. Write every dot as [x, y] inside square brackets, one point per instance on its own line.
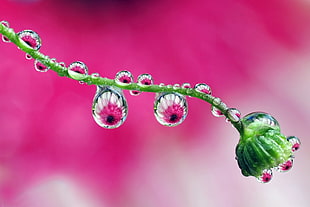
[145, 80]
[295, 142]
[78, 70]
[203, 88]
[286, 166]
[40, 67]
[170, 109]
[109, 107]
[266, 176]
[30, 38]
[123, 77]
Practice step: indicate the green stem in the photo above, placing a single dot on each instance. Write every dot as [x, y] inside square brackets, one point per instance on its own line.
[97, 80]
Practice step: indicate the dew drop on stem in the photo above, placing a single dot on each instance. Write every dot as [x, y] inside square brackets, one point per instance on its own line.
[30, 39]
[295, 142]
[78, 70]
[266, 176]
[203, 88]
[123, 77]
[145, 80]
[286, 166]
[40, 67]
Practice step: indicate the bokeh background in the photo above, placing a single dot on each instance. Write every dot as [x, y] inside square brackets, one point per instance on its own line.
[253, 54]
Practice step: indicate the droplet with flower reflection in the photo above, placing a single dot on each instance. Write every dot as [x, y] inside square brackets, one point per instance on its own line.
[40, 67]
[78, 70]
[170, 109]
[286, 166]
[295, 142]
[30, 38]
[109, 107]
[145, 80]
[266, 176]
[203, 88]
[123, 77]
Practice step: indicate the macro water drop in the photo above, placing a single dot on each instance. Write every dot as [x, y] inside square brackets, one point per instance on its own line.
[30, 39]
[170, 109]
[295, 142]
[109, 107]
[40, 67]
[203, 88]
[145, 80]
[123, 77]
[266, 176]
[78, 70]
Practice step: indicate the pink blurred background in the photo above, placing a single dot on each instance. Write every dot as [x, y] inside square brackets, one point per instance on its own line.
[253, 54]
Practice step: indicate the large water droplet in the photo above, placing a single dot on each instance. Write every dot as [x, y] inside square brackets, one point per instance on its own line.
[295, 142]
[40, 66]
[216, 112]
[170, 108]
[145, 80]
[123, 77]
[77, 70]
[233, 114]
[30, 38]
[109, 107]
[203, 88]
[286, 166]
[266, 176]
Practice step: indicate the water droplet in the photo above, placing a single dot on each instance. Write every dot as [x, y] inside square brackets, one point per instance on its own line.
[169, 86]
[135, 93]
[216, 112]
[145, 80]
[5, 23]
[40, 66]
[170, 108]
[176, 86]
[286, 166]
[295, 142]
[266, 176]
[109, 107]
[233, 114]
[77, 70]
[28, 57]
[30, 38]
[161, 85]
[62, 64]
[262, 118]
[203, 88]
[123, 77]
[217, 101]
[186, 85]
[95, 75]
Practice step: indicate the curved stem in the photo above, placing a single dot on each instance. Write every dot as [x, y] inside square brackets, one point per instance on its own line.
[97, 80]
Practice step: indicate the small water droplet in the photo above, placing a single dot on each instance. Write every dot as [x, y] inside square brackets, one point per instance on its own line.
[78, 70]
[95, 75]
[123, 77]
[217, 101]
[28, 57]
[266, 176]
[62, 64]
[145, 80]
[161, 85]
[5, 23]
[176, 86]
[295, 142]
[40, 67]
[216, 112]
[286, 166]
[30, 38]
[203, 88]
[169, 86]
[135, 93]
[109, 107]
[170, 109]
[186, 85]
[233, 114]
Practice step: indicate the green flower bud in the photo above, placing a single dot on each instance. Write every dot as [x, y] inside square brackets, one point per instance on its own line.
[262, 147]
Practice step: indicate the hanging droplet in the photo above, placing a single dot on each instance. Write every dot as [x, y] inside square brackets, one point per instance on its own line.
[286, 166]
[216, 112]
[78, 70]
[135, 93]
[233, 114]
[40, 67]
[145, 80]
[123, 77]
[30, 38]
[203, 88]
[109, 107]
[170, 108]
[4, 38]
[295, 142]
[28, 57]
[266, 176]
